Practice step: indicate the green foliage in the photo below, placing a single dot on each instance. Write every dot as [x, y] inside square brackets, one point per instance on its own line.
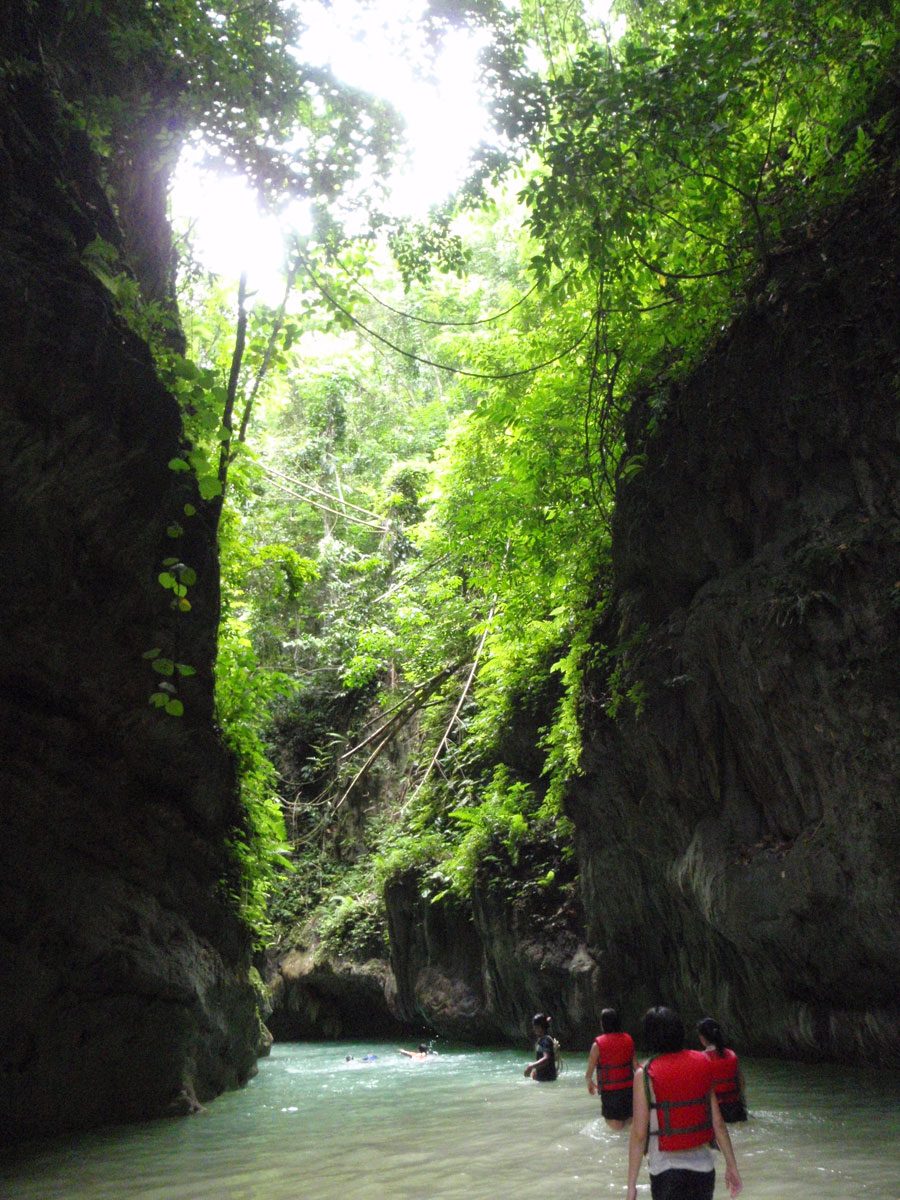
[416, 851]
[154, 73]
[623, 686]
[562, 739]
[166, 697]
[353, 926]
[244, 694]
[417, 246]
[414, 558]
[500, 817]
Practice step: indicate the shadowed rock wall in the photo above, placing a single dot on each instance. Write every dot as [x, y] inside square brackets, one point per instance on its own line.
[480, 972]
[738, 831]
[473, 972]
[123, 971]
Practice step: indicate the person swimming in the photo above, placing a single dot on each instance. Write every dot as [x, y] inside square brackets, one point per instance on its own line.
[422, 1052]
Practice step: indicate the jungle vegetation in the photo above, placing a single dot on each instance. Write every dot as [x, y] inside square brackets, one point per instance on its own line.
[413, 459]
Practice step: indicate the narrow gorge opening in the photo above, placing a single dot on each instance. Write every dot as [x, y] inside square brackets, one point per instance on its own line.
[450, 538]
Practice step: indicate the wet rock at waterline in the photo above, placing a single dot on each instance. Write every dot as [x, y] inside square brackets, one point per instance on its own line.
[319, 996]
[472, 973]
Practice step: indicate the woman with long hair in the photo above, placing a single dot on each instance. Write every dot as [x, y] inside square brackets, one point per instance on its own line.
[727, 1068]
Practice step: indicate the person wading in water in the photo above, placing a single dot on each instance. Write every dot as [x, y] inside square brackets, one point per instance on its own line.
[676, 1116]
[611, 1067]
[543, 1069]
[727, 1068]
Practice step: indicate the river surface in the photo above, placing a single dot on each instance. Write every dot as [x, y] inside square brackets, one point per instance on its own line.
[464, 1125]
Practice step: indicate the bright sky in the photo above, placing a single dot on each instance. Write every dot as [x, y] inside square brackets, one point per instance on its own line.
[375, 46]
[372, 47]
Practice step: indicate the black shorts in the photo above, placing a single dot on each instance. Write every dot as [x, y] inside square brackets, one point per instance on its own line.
[683, 1185]
[616, 1105]
[734, 1110]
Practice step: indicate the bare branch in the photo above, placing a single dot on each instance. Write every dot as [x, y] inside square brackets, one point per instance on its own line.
[443, 742]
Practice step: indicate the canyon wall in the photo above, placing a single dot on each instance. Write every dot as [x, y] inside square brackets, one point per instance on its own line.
[737, 821]
[123, 968]
[470, 972]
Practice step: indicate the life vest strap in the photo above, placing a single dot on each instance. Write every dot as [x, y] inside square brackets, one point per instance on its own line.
[615, 1075]
[664, 1110]
[676, 1131]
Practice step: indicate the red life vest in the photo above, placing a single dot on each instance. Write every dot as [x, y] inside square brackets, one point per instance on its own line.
[725, 1074]
[614, 1064]
[681, 1086]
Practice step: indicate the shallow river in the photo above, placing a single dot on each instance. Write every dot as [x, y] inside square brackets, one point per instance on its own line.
[462, 1125]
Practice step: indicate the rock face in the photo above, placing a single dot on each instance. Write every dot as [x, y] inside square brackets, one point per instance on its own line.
[472, 972]
[479, 974]
[331, 998]
[123, 970]
[737, 827]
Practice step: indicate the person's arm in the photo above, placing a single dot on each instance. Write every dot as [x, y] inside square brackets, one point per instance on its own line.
[406, 1053]
[637, 1140]
[547, 1056]
[590, 1074]
[634, 1059]
[723, 1141]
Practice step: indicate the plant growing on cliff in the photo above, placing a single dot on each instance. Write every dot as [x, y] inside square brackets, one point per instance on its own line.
[353, 926]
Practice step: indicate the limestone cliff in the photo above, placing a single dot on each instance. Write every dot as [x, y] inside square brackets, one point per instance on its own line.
[123, 969]
[737, 824]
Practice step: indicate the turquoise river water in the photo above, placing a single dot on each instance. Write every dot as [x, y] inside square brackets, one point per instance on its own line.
[464, 1125]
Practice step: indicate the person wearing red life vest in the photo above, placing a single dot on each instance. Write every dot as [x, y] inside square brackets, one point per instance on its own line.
[727, 1068]
[611, 1067]
[676, 1116]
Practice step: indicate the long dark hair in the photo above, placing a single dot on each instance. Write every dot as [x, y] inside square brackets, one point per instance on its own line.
[710, 1029]
[543, 1020]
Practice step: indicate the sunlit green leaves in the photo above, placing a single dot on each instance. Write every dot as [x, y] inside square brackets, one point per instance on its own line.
[401, 520]
[165, 71]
